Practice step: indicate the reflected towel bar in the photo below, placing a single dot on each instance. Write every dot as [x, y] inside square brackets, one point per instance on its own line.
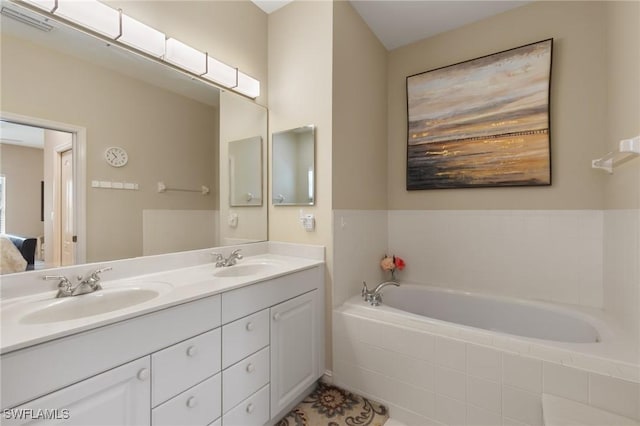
[204, 190]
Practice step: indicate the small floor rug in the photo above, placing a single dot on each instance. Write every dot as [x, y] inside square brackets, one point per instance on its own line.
[331, 406]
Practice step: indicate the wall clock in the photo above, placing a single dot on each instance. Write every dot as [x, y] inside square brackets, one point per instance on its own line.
[116, 156]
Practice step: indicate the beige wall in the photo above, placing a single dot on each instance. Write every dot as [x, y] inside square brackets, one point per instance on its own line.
[168, 138]
[232, 31]
[23, 168]
[300, 50]
[622, 189]
[300, 87]
[578, 104]
[359, 113]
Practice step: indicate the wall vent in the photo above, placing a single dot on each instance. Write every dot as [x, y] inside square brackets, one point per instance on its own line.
[26, 19]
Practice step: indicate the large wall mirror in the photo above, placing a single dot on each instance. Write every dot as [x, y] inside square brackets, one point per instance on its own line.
[294, 167]
[81, 97]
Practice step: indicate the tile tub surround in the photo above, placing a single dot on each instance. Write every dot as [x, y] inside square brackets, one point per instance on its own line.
[454, 375]
[622, 266]
[581, 257]
[552, 255]
[359, 241]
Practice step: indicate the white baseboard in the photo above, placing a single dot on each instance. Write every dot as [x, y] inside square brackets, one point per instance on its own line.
[327, 377]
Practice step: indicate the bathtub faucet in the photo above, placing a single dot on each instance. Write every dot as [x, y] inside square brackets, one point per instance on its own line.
[374, 297]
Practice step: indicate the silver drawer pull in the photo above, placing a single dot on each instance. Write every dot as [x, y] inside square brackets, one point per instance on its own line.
[250, 326]
[250, 408]
[192, 351]
[276, 316]
[192, 402]
[250, 368]
[143, 374]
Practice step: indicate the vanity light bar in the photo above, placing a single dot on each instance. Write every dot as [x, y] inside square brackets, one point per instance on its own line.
[248, 85]
[112, 23]
[91, 14]
[185, 57]
[48, 5]
[221, 73]
[136, 34]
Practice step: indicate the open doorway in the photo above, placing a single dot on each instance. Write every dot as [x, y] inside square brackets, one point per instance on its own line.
[59, 208]
[40, 167]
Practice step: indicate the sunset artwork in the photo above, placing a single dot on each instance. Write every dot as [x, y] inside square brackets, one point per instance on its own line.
[481, 123]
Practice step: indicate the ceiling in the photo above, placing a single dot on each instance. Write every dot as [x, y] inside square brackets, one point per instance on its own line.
[18, 134]
[397, 22]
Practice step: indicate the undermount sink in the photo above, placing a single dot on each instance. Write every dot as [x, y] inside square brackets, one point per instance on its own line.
[246, 269]
[86, 305]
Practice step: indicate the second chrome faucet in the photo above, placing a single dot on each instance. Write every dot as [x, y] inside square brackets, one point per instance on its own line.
[374, 297]
[230, 261]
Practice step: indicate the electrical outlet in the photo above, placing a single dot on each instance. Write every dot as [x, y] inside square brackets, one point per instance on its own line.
[308, 222]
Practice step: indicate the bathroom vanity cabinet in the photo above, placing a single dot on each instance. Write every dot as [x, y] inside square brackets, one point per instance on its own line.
[294, 352]
[241, 357]
[118, 396]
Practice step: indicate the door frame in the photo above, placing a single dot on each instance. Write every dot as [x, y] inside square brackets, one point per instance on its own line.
[79, 146]
[59, 152]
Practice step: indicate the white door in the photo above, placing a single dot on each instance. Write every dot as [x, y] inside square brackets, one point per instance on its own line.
[67, 243]
[294, 349]
[121, 396]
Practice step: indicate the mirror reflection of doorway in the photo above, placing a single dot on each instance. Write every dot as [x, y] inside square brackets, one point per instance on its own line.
[38, 169]
[66, 208]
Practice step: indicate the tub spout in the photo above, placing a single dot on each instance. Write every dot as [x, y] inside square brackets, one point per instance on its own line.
[375, 297]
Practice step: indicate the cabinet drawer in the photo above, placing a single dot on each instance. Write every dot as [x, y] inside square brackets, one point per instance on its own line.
[182, 365]
[244, 378]
[253, 411]
[199, 405]
[244, 336]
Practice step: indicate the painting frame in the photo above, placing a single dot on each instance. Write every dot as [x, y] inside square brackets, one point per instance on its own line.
[483, 122]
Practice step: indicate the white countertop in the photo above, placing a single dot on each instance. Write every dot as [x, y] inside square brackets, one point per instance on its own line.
[178, 285]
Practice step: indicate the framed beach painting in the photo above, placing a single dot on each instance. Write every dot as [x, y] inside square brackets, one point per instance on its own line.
[481, 123]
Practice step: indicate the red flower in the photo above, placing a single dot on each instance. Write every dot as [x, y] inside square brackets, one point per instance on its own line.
[399, 263]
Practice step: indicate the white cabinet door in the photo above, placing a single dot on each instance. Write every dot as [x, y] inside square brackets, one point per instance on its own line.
[121, 396]
[294, 349]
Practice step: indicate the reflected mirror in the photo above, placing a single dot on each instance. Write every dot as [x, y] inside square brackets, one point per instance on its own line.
[294, 167]
[245, 172]
[241, 121]
[171, 192]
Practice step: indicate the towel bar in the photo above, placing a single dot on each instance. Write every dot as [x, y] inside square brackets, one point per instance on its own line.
[627, 150]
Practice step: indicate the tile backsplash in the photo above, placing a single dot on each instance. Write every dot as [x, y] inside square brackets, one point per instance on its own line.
[552, 255]
[622, 267]
[583, 257]
[359, 241]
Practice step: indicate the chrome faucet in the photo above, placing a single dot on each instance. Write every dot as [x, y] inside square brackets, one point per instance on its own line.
[230, 261]
[64, 285]
[86, 285]
[374, 297]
